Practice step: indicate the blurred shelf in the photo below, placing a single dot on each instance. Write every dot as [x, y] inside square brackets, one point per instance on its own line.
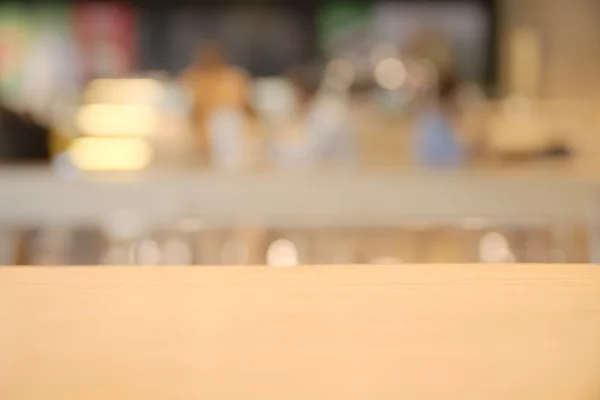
[308, 199]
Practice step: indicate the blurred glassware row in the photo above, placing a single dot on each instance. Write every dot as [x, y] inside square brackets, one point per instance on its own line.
[190, 242]
[145, 122]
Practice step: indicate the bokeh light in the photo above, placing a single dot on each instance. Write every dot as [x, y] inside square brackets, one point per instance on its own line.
[390, 74]
[282, 253]
[111, 154]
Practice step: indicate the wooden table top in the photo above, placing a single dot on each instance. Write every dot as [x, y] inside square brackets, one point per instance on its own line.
[348, 332]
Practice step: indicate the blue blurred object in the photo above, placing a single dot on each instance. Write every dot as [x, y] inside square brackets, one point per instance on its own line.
[436, 142]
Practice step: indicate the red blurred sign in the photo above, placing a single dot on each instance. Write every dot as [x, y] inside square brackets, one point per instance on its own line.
[106, 36]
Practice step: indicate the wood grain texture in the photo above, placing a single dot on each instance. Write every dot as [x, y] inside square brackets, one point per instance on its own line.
[354, 332]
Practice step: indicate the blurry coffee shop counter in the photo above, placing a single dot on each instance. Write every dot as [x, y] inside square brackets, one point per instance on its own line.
[214, 168]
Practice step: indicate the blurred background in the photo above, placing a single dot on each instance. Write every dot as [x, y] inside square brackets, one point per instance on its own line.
[286, 133]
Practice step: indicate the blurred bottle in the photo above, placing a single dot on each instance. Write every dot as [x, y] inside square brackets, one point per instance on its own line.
[214, 85]
[319, 133]
[235, 142]
[437, 143]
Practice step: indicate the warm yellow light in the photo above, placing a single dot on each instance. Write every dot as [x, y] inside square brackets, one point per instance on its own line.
[117, 120]
[390, 74]
[123, 91]
[111, 154]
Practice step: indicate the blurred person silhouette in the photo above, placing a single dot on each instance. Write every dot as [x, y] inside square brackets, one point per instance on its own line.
[320, 132]
[437, 141]
[214, 85]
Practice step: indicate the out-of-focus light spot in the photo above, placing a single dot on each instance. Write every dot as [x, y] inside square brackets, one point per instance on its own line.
[117, 120]
[282, 253]
[176, 252]
[147, 252]
[340, 74]
[383, 51]
[495, 248]
[390, 74]
[123, 91]
[235, 252]
[111, 154]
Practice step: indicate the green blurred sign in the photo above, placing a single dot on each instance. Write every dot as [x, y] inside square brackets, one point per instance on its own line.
[340, 23]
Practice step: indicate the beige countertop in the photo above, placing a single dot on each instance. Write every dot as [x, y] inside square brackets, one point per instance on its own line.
[348, 332]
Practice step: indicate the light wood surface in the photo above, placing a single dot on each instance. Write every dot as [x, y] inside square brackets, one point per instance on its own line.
[355, 332]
